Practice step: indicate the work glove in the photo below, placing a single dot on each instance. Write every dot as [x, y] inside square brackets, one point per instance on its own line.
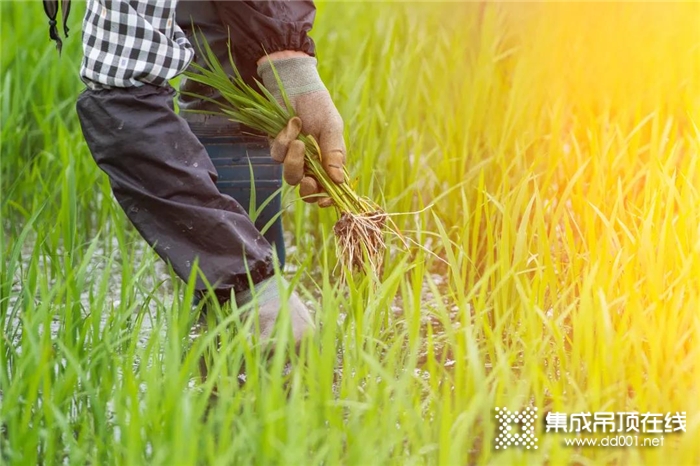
[317, 116]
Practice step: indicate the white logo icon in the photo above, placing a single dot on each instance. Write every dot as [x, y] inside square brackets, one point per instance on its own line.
[510, 435]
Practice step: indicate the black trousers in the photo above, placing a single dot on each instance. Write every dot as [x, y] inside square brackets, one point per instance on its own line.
[164, 180]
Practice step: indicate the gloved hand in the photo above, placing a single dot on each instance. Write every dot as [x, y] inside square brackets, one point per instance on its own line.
[316, 116]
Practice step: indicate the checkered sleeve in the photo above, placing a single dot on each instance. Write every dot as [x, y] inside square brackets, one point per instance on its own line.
[128, 43]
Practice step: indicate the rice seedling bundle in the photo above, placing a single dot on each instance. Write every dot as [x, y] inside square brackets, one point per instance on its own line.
[359, 232]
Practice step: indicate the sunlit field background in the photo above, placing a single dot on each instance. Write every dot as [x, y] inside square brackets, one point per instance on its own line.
[555, 147]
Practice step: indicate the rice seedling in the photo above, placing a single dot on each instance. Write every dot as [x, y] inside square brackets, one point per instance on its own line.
[360, 230]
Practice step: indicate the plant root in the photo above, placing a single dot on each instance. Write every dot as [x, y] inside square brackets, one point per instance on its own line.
[360, 240]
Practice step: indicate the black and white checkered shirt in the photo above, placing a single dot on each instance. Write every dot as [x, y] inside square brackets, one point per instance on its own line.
[128, 43]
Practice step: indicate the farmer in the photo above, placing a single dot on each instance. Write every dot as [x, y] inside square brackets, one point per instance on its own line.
[160, 173]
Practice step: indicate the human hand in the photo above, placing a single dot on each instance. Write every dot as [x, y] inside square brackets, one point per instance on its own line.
[317, 116]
